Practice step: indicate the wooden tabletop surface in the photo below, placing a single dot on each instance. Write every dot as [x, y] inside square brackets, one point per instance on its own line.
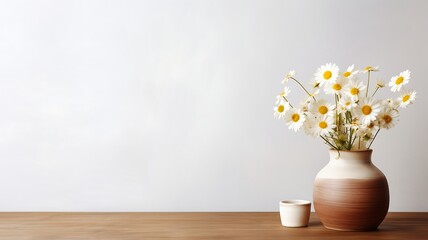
[214, 225]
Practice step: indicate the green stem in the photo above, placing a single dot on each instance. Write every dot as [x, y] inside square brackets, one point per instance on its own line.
[373, 138]
[377, 88]
[331, 145]
[303, 88]
[353, 140]
[349, 117]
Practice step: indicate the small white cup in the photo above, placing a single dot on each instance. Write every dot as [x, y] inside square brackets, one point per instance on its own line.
[295, 213]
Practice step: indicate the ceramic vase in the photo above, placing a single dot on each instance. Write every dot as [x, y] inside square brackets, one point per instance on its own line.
[350, 193]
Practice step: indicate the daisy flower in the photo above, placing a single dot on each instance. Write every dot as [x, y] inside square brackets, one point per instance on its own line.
[294, 119]
[387, 117]
[354, 125]
[380, 83]
[321, 108]
[354, 89]
[346, 103]
[371, 69]
[335, 87]
[281, 109]
[289, 75]
[363, 131]
[408, 97]
[367, 110]
[282, 95]
[350, 73]
[327, 73]
[398, 81]
[373, 126]
[391, 103]
[322, 126]
[304, 105]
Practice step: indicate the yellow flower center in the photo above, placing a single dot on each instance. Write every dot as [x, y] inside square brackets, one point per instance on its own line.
[323, 109]
[366, 109]
[337, 86]
[323, 125]
[399, 80]
[295, 117]
[347, 74]
[282, 94]
[348, 103]
[281, 108]
[327, 75]
[387, 118]
[368, 68]
[355, 91]
[406, 98]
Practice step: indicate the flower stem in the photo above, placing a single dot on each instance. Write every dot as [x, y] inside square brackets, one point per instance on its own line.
[350, 139]
[287, 101]
[377, 88]
[331, 145]
[353, 140]
[304, 88]
[373, 138]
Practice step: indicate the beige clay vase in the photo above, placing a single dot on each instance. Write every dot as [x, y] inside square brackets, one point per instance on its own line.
[350, 193]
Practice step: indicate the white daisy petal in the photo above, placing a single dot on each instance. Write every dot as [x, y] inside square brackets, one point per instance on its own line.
[281, 109]
[327, 73]
[288, 76]
[367, 110]
[346, 103]
[283, 95]
[294, 119]
[398, 81]
[322, 126]
[387, 117]
[371, 69]
[350, 73]
[355, 89]
[408, 97]
[335, 87]
[321, 108]
[391, 103]
[380, 83]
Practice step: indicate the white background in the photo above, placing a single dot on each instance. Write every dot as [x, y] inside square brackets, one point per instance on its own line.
[167, 105]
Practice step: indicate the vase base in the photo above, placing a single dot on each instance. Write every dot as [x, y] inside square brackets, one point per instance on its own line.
[351, 230]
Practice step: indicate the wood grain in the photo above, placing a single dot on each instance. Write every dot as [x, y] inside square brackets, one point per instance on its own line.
[247, 226]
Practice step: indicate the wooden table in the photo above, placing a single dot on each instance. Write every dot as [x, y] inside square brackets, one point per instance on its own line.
[249, 225]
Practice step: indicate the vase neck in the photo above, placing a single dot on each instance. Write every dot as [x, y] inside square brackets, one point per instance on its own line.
[351, 156]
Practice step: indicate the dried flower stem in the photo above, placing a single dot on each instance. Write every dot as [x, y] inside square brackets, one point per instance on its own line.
[310, 95]
[373, 138]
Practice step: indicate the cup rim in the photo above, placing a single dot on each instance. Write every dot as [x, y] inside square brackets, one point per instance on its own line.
[294, 202]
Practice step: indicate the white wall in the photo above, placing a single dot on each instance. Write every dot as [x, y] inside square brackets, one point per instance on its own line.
[167, 105]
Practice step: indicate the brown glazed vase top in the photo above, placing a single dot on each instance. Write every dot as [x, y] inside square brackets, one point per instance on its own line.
[350, 193]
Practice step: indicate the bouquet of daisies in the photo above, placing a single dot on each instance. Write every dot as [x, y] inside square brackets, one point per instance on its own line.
[353, 118]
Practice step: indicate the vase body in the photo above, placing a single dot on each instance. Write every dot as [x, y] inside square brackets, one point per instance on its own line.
[350, 193]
